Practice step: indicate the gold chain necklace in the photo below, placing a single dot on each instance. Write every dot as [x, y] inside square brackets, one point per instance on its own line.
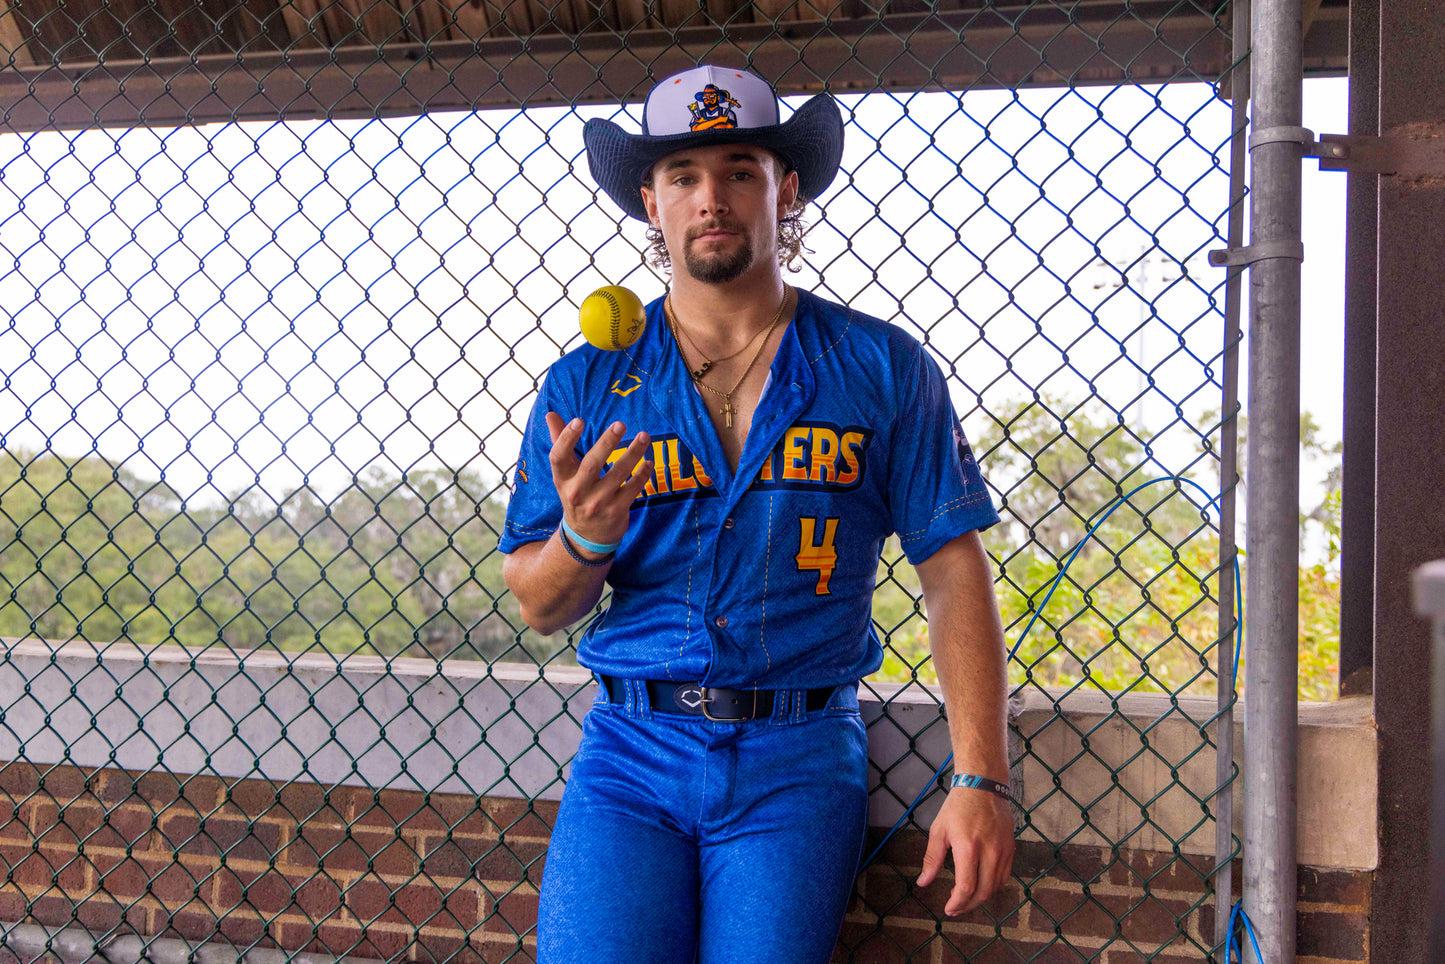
[727, 410]
[707, 363]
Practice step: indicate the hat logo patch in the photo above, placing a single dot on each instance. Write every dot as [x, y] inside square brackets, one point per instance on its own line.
[712, 109]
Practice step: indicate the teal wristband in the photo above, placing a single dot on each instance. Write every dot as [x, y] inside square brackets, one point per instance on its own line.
[601, 548]
[975, 782]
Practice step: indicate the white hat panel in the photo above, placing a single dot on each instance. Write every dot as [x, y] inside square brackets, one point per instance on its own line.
[709, 98]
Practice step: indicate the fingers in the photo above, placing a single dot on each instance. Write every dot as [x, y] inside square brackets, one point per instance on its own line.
[633, 487]
[595, 460]
[981, 861]
[966, 893]
[933, 856]
[555, 425]
[564, 442]
[978, 873]
[595, 504]
[624, 471]
[994, 871]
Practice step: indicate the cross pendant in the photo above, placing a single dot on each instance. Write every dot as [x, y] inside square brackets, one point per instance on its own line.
[727, 413]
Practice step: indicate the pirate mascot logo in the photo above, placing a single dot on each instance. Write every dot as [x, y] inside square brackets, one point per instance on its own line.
[712, 109]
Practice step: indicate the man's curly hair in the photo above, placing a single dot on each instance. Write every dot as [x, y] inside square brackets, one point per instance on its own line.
[791, 229]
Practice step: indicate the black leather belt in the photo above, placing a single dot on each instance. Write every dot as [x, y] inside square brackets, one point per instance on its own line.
[718, 703]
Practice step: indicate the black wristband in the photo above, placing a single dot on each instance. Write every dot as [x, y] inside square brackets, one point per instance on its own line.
[589, 563]
[975, 782]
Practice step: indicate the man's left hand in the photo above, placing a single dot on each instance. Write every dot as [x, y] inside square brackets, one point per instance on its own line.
[978, 829]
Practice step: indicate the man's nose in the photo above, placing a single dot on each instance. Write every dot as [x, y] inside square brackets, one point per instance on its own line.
[712, 195]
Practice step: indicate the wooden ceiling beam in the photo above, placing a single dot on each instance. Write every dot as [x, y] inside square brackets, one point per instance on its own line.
[13, 48]
[915, 52]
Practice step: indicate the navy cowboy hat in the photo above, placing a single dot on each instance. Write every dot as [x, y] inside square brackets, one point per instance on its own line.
[709, 105]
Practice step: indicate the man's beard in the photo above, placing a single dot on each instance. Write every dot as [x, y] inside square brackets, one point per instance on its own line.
[719, 268]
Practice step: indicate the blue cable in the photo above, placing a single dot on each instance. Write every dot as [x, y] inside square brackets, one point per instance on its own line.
[1236, 913]
[1238, 626]
[1238, 634]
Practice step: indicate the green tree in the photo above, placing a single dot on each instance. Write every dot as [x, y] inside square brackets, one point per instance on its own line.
[84, 549]
[392, 565]
[408, 564]
[1137, 610]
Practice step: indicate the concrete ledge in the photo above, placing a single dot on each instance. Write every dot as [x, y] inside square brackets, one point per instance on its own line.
[412, 724]
[1143, 769]
[1135, 772]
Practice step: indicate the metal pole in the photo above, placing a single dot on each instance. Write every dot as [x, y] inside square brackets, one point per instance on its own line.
[1224, 770]
[1272, 489]
[1429, 594]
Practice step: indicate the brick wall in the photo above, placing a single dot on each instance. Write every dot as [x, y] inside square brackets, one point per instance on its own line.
[346, 870]
[379, 874]
[1072, 904]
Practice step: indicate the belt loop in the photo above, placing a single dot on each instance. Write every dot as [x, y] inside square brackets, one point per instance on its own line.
[782, 707]
[798, 700]
[638, 703]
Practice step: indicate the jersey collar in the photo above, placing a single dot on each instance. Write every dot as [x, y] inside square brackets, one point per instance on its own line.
[683, 409]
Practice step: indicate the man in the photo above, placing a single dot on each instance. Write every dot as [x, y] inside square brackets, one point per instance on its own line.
[716, 808]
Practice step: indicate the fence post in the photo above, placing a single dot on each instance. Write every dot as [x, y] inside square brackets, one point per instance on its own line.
[1429, 588]
[1272, 489]
[1229, 607]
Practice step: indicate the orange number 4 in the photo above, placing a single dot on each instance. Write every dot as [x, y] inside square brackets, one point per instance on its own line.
[813, 556]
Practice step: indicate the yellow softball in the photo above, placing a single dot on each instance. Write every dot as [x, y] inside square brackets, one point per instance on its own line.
[612, 318]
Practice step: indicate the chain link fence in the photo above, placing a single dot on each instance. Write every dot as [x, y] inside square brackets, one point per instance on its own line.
[278, 283]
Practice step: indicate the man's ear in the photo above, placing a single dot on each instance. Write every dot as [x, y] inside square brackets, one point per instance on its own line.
[787, 194]
[649, 201]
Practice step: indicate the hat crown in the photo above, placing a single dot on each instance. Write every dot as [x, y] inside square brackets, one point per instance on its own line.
[709, 98]
[709, 105]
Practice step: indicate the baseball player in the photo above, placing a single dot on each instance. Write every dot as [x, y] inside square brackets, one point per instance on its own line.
[732, 476]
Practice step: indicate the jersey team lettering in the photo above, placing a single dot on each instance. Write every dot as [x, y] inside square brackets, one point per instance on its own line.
[817, 456]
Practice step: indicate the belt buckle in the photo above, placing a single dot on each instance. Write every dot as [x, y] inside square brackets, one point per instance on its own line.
[708, 699]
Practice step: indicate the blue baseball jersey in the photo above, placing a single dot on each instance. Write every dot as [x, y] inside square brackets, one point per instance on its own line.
[763, 577]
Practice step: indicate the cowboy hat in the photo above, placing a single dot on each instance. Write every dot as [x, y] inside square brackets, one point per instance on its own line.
[708, 105]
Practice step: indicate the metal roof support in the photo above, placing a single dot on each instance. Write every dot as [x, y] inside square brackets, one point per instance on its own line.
[1357, 503]
[1409, 462]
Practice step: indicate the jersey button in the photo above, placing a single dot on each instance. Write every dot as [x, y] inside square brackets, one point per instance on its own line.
[721, 622]
[728, 523]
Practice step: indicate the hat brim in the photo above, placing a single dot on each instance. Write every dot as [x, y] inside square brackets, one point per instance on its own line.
[810, 142]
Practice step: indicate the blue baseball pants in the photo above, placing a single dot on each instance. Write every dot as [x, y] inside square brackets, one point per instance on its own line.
[683, 840]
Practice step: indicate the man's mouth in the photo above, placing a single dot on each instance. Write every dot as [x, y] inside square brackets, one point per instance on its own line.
[711, 233]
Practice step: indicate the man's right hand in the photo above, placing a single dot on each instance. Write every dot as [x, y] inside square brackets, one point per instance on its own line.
[597, 503]
[553, 590]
